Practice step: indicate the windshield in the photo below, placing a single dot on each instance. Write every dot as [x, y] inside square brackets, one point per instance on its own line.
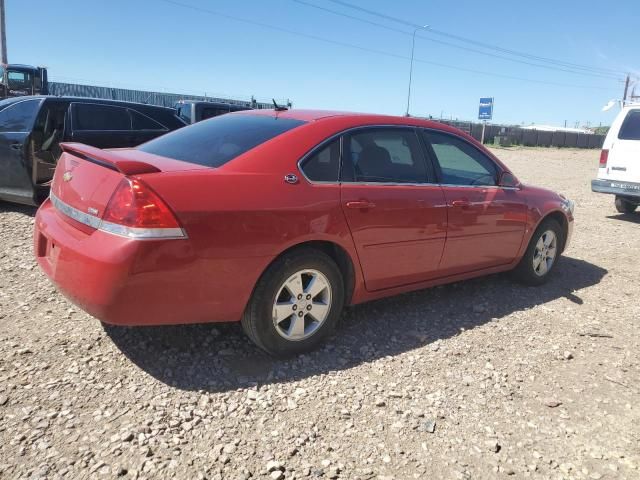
[216, 141]
[19, 80]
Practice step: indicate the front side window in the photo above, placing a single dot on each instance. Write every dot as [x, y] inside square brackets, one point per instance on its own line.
[91, 116]
[19, 116]
[216, 141]
[630, 129]
[324, 165]
[384, 155]
[460, 162]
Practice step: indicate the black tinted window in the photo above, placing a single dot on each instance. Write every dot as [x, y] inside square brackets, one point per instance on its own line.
[209, 112]
[460, 162]
[630, 129]
[140, 121]
[87, 116]
[19, 116]
[385, 155]
[324, 165]
[215, 141]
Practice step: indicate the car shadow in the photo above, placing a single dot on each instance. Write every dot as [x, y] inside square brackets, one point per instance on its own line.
[627, 217]
[218, 357]
[17, 208]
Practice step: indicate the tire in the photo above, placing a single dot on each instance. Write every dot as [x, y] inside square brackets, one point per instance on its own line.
[265, 319]
[625, 206]
[531, 270]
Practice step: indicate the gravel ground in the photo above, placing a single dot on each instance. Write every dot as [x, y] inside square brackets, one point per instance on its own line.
[479, 379]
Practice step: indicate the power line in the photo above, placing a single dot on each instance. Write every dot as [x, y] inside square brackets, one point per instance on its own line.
[367, 49]
[460, 47]
[477, 43]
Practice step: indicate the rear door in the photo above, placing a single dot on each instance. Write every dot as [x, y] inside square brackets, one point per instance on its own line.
[102, 126]
[395, 211]
[623, 162]
[486, 222]
[16, 123]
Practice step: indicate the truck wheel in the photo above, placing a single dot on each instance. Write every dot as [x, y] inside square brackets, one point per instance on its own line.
[625, 206]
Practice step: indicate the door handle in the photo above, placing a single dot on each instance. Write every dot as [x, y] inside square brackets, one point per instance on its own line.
[461, 203]
[16, 146]
[358, 204]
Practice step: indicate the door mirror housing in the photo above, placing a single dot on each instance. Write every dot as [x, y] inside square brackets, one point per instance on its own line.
[509, 180]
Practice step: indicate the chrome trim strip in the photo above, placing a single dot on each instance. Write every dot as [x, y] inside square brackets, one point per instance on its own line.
[142, 233]
[133, 233]
[74, 213]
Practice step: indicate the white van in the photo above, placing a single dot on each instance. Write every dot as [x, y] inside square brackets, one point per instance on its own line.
[619, 172]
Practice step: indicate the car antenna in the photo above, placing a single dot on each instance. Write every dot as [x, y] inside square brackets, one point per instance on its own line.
[278, 108]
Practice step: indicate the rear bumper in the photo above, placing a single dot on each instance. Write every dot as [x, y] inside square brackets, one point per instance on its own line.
[616, 187]
[131, 282]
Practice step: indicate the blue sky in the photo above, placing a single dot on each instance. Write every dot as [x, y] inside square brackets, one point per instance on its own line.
[322, 60]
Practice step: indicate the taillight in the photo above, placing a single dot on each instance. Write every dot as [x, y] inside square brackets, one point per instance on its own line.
[604, 156]
[136, 211]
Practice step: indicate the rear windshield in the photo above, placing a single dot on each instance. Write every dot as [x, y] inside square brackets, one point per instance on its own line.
[216, 141]
[630, 129]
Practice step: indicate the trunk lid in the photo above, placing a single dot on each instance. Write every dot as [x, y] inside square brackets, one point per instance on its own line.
[86, 177]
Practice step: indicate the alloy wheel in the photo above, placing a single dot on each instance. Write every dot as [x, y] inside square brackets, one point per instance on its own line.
[301, 305]
[545, 253]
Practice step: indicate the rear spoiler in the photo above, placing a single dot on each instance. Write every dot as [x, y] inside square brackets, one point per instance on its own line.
[108, 159]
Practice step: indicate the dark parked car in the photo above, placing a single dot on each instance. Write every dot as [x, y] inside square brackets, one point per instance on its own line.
[192, 111]
[32, 127]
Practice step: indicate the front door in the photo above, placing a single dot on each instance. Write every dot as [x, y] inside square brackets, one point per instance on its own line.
[16, 122]
[397, 218]
[486, 222]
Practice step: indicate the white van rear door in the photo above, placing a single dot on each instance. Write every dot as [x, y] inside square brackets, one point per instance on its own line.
[624, 152]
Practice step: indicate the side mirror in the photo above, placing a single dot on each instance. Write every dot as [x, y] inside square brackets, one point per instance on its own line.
[508, 180]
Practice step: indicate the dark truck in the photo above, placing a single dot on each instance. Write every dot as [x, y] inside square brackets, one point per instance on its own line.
[32, 128]
[19, 80]
[192, 111]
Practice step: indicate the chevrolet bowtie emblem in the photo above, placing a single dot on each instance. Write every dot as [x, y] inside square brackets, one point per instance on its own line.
[67, 176]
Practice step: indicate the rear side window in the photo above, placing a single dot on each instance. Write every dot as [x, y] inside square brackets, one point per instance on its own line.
[324, 165]
[87, 116]
[19, 117]
[384, 155]
[460, 162]
[216, 141]
[630, 129]
[140, 121]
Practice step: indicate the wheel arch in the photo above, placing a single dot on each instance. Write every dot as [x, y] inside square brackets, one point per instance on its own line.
[561, 218]
[336, 252]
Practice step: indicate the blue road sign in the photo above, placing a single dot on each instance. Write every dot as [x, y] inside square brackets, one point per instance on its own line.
[485, 112]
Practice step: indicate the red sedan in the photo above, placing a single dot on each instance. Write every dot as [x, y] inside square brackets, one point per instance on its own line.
[279, 219]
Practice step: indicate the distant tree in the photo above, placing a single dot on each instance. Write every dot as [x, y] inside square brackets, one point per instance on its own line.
[601, 130]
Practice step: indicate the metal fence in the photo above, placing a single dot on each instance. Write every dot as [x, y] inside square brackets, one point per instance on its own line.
[140, 96]
[509, 135]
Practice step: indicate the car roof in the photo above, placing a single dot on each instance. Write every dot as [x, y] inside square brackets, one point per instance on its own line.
[357, 118]
[70, 98]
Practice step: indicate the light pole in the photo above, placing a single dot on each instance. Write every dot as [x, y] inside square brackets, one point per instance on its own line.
[413, 47]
